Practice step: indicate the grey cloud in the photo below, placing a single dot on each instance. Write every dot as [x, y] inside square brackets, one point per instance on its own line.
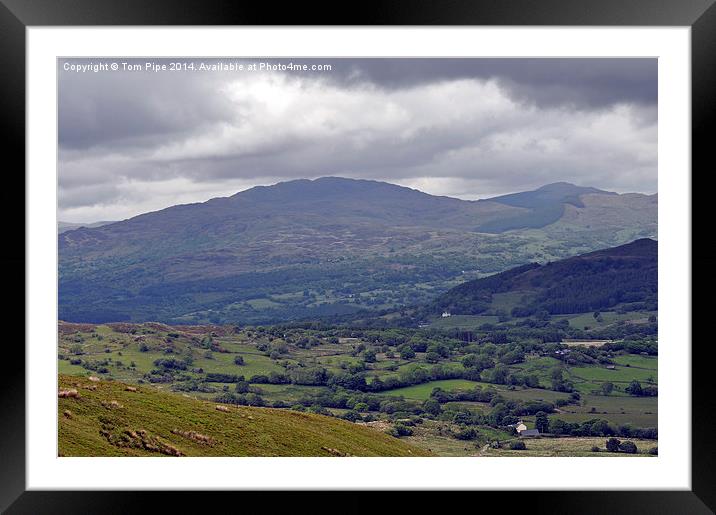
[464, 127]
[579, 82]
[133, 106]
[99, 193]
[134, 109]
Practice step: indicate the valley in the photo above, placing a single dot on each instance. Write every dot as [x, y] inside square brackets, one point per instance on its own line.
[389, 321]
[446, 392]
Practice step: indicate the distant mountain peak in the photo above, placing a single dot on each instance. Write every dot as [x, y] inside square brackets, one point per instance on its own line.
[545, 205]
[560, 192]
[329, 188]
[569, 188]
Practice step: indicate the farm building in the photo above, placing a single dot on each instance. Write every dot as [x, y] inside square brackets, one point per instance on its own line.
[446, 314]
[530, 432]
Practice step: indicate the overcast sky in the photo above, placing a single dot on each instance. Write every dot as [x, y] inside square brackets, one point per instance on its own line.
[138, 141]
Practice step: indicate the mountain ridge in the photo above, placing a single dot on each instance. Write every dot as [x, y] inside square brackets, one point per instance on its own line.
[296, 186]
[343, 244]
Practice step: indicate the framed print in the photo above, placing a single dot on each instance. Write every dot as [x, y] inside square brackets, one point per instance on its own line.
[419, 249]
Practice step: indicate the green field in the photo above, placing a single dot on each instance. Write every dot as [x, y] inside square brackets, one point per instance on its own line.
[531, 394]
[582, 320]
[422, 392]
[638, 411]
[618, 375]
[636, 419]
[572, 447]
[278, 363]
[627, 404]
[466, 321]
[647, 362]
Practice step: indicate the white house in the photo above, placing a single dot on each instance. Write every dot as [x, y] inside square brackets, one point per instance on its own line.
[519, 427]
[446, 314]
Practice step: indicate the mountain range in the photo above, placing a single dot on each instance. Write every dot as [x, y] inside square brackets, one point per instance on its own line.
[307, 248]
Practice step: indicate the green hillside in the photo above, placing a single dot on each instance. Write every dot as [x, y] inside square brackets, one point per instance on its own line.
[620, 276]
[113, 419]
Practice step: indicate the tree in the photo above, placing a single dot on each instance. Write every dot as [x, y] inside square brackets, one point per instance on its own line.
[239, 360]
[559, 427]
[466, 434]
[634, 388]
[499, 374]
[253, 399]
[532, 381]
[557, 378]
[406, 352]
[607, 388]
[518, 445]
[361, 406]
[242, 387]
[628, 447]
[351, 416]
[432, 407]
[543, 315]
[613, 445]
[400, 430]
[432, 357]
[601, 428]
[542, 422]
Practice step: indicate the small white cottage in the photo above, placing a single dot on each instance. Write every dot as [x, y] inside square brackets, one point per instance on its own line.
[519, 426]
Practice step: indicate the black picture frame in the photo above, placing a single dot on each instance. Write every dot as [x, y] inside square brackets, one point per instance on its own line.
[17, 15]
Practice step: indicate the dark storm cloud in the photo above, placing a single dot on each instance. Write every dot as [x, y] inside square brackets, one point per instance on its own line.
[136, 141]
[578, 82]
[134, 106]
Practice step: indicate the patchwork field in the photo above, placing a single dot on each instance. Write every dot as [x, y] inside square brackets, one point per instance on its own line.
[382, 379]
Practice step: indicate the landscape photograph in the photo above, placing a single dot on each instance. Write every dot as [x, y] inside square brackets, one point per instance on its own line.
[353, 257]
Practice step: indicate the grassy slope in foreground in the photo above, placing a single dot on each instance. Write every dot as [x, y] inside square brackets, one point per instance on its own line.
[152, 423]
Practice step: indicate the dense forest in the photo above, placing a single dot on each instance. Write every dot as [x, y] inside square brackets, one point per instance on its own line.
[625, 275]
